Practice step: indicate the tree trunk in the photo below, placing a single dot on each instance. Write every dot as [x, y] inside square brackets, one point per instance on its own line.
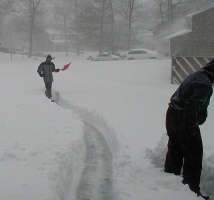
[5, 9]
[32, 6]
[101, 26]
[112, 27]
[77, 29]
[130, 6]
[31, 35]
[161, 12]
[65, 32]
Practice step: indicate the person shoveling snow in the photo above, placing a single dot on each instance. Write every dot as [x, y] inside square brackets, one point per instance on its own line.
[187, 110]
[45, 70]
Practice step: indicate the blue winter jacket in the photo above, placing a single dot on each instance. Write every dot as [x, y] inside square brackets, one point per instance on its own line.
[45, 70]
[192, 97]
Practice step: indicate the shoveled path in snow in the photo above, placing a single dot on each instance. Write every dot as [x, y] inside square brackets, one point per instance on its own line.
[96, 179]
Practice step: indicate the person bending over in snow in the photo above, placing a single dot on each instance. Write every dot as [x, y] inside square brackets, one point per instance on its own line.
[187, 110]
[45, 70]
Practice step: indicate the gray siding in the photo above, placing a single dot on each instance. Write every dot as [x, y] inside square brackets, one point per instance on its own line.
[200, 42]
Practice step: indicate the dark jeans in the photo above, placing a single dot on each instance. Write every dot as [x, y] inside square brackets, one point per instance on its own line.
[185, 149]
[48, 86]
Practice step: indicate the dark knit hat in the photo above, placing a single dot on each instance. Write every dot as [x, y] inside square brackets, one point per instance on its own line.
[49, 56]
[209, 66]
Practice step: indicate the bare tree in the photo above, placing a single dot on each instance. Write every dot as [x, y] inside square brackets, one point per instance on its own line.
[167, 9]
[160, 6]
[33, 5]
[172, 4]
[112, 26]
[92, 22]
[62, 13]
[130, 14]
[77, 25]
[89, 17]
[102, 24]
[27, 12]
[5, 8]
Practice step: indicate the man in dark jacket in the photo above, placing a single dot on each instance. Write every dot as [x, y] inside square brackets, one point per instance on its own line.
[45, 70]
[187, 110]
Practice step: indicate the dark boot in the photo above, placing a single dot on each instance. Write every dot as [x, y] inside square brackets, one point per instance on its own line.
[48, 93]
[195, 189]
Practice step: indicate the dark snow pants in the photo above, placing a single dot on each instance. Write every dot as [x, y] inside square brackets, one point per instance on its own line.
[185, 149]
[48, 86]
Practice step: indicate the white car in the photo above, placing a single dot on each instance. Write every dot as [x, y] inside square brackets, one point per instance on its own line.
[139, 54]
[106, 57]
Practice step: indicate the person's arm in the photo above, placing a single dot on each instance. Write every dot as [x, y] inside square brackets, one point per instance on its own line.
[40, 70]
[196, 108]
[54, 68]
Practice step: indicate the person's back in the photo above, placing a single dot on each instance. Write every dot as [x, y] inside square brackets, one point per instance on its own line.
[46, 68]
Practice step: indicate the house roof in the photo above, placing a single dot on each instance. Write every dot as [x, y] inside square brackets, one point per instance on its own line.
[58, 41]
[179, 33]
[195, 13]
[146, 33]
[188, 25]
[51, 31]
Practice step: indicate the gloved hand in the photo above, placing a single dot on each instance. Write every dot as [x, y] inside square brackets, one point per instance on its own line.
[57, 70]
[202, 117]
[41, 75]
[191, 118]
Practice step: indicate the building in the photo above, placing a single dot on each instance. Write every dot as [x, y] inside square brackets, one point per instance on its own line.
[51, 41]
[197, 39]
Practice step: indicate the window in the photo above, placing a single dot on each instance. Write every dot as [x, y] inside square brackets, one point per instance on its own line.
[137, 52]
[104, 55]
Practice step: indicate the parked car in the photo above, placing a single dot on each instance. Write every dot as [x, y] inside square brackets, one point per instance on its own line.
[5, 50]
[18, 51]
[105, 57]
[39, 54]
[139, 54]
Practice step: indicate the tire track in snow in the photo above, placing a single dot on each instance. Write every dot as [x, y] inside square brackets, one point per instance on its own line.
[96, 181]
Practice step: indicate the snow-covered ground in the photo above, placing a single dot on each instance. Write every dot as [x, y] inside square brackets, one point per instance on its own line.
[103, 138]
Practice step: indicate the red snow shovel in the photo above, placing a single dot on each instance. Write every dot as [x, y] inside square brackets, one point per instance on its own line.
[66, 66]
